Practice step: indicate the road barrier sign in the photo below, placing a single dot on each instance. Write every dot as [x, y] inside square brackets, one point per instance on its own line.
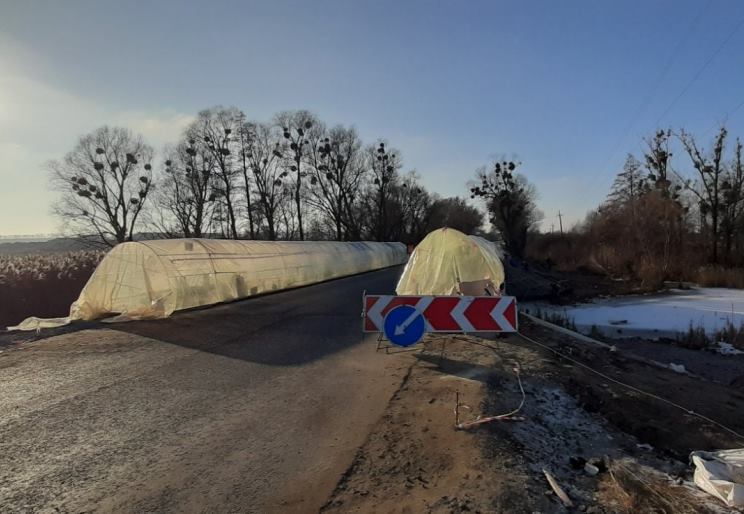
[404, 325]
[383, 313]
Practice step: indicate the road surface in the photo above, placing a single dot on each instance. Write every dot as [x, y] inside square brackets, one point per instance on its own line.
[254, 406]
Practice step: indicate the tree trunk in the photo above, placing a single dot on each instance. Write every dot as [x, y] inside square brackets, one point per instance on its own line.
[248, 194]
[272, 230]
[714, 231]
[231, 215]
[298, 200]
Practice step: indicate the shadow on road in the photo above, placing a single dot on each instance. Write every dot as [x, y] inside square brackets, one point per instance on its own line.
[288, 328]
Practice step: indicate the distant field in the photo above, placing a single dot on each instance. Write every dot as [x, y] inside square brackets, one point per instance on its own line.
[42, 284]
[56, 245]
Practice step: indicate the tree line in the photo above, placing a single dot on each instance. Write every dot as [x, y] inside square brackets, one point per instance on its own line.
[291, 178]
[674, 213]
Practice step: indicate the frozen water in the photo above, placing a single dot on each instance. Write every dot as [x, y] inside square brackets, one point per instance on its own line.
[664, 314]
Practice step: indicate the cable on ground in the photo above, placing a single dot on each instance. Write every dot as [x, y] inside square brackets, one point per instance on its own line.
[634, 388]
[506, 416]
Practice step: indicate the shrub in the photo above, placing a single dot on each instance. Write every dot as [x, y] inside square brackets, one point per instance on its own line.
[595, 333]
[695, 338]
[42, 285]
[732, 334]
[718, 276]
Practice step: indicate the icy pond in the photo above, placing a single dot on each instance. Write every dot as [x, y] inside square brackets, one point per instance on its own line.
[656, 315]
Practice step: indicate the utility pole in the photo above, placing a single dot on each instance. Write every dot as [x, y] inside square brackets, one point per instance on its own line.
[560, 221]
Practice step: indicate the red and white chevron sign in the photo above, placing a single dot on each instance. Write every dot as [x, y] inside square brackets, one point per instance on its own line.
[447, 313]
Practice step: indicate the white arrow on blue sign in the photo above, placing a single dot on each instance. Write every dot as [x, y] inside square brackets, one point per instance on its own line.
[404, 325]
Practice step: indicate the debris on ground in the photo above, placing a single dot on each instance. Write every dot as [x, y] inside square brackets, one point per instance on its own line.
[677, 368]
[608, 448]
[721, 474]
[557, 489]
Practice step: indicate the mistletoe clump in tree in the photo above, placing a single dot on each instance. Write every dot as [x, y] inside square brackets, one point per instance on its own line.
[186, 188]
[510, 201]
[297, 130]
[384, 165]
[337, 169]
[104, 183]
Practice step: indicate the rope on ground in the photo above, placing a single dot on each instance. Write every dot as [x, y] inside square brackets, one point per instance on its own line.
[634, 388]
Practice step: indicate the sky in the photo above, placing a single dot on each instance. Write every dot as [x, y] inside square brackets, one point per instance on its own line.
[566, 88]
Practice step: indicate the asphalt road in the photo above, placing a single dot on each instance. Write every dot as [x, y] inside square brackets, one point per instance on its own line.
[254, 406]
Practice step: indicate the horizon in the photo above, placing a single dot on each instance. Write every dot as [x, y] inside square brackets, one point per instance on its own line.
[566, 89]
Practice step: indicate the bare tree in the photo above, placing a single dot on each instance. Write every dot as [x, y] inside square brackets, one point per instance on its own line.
[296, 127]
[408, 204]
[262, 156]
[658, 160]
[732, 189]
[185, 189]
[286, 214]
[215, 131]
[384, 165]
[245, 133]
[104, 182]
[710, 169]
[337, 174]
[510, 200]
[454, 213]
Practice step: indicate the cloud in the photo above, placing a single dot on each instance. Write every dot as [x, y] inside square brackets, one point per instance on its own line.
[157, 128]
[39, 122]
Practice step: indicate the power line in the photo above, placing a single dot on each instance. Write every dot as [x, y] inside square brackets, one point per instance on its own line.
[701, 70]
[725, 118]
[665, 69]
[634, 388]
[643, 106]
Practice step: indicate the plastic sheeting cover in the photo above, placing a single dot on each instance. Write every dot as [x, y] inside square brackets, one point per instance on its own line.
[721, 474]
[152, 279]
[447, 262]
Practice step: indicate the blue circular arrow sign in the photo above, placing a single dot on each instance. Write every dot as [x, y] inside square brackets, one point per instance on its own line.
[404, 325]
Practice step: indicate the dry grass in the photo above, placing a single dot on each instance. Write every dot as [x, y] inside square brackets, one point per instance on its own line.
[42, 285]
[557, 318]
[697, 339]
[718, 276]
[630, 488]
[732, 334]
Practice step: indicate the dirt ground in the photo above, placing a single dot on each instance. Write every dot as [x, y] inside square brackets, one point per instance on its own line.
[416, 461]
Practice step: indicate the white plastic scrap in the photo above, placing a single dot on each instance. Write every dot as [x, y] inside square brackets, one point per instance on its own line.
[677, 368]
[727, 349]
[591, 469]
[721, 474]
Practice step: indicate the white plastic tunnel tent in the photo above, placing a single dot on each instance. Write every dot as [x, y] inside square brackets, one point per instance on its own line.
[152, 279]
[447, 262]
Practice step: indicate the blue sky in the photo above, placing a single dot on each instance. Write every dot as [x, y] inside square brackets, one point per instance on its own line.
[568, 88]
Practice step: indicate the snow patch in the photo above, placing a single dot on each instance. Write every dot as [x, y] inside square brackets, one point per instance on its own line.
[657, 315]
[726, 349]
